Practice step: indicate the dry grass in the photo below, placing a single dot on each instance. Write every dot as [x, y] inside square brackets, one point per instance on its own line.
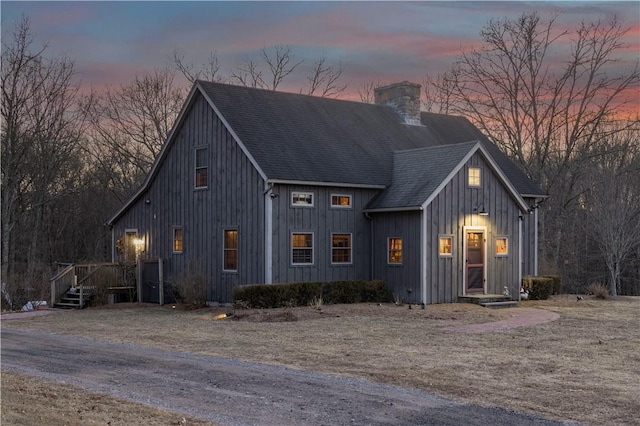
[583, 367]
[27, 401]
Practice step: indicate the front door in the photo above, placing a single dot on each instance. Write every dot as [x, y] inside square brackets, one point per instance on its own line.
[475, 243]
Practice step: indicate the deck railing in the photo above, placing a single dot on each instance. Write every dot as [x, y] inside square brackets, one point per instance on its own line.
[79, 277]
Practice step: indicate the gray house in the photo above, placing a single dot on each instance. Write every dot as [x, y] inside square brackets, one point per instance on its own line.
[256, 186]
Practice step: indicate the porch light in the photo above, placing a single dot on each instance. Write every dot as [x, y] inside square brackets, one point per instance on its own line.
[480, 210]
[139, 243]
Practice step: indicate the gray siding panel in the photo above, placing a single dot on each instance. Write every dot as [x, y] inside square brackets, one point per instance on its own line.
[322, 220]
[233, 199]
[402, 280]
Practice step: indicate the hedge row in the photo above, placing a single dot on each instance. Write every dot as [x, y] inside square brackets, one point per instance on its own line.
[540, 287]
[306, 293]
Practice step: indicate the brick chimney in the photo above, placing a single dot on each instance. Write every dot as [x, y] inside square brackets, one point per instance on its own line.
[404, 98]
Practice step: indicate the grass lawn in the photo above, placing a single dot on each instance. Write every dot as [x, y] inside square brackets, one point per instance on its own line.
[583, 367]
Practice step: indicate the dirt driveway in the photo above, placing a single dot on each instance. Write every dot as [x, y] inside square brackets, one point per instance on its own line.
[235, 392]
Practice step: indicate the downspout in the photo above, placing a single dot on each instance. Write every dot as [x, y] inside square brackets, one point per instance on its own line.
[520, 219]
[268, 234]
[423, 254]
[371, 245]
[535, 239]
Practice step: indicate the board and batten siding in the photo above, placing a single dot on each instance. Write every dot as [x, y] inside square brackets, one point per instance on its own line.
[233, 199]
[321, 220]
[403, 280]
[455, 208]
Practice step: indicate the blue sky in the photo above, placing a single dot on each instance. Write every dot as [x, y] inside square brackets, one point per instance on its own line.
[112, 42]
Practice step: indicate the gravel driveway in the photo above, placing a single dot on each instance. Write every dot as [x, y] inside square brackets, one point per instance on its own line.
[234, 392]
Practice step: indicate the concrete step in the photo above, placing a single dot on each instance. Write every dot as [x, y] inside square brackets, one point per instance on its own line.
[499, 305]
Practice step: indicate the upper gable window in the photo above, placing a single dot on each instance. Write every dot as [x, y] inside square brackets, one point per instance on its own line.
[302, 199]
[341, 201]
[201, 168]
[475, 177]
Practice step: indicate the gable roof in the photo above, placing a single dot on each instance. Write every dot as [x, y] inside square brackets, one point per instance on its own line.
[302, 138]
[298, 138]
[420, 174]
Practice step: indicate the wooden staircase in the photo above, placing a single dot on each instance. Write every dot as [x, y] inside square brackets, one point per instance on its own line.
[74, 299]
[491, 301]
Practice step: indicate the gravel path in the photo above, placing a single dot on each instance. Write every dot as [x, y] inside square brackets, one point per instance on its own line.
[234, 392]
[518, 317]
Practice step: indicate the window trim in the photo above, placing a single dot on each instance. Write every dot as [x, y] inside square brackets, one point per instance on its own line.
[350, 248]
[292, 248]
[401, 250]
[340, 206]
[173, 245]
[226, 249]
[506, 243]
[310, 193]
[196, 168]
[473, 185]
[440, 252]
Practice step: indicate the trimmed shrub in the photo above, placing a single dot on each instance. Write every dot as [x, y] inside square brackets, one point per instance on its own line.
[539, 287]
[557, 283]
[305, 293]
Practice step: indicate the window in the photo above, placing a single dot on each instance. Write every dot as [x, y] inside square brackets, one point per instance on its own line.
[394, 250]
[340, 248]
[230, 250]
[202, 169]
[178, 240]
[341, 201]
[302, 199]
[502, 246]
[445, 245]
[302, 248]
[474, 176]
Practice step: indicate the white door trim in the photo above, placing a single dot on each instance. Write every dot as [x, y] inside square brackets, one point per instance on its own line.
[466, 229]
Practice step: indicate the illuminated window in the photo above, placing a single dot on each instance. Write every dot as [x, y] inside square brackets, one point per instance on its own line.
[340, 248]
[230, 249]
[201, 168]
[474, 176]
[302, 199]
[394, 250]
[178, 240]
[502, 246]
[302, 248]
[340, 201]
[445, 245]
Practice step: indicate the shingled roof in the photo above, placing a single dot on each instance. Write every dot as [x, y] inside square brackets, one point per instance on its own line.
[301, 138]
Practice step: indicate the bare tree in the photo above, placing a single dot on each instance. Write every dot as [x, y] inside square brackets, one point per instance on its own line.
[41, 160]
[366, 91]
[274, 67]
[130, 124]
[209, 71]
[543, 115]
[612, 201]
[324, 80]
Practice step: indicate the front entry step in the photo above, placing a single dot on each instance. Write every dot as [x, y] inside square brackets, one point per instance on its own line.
[500, 305]
[493, 301]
